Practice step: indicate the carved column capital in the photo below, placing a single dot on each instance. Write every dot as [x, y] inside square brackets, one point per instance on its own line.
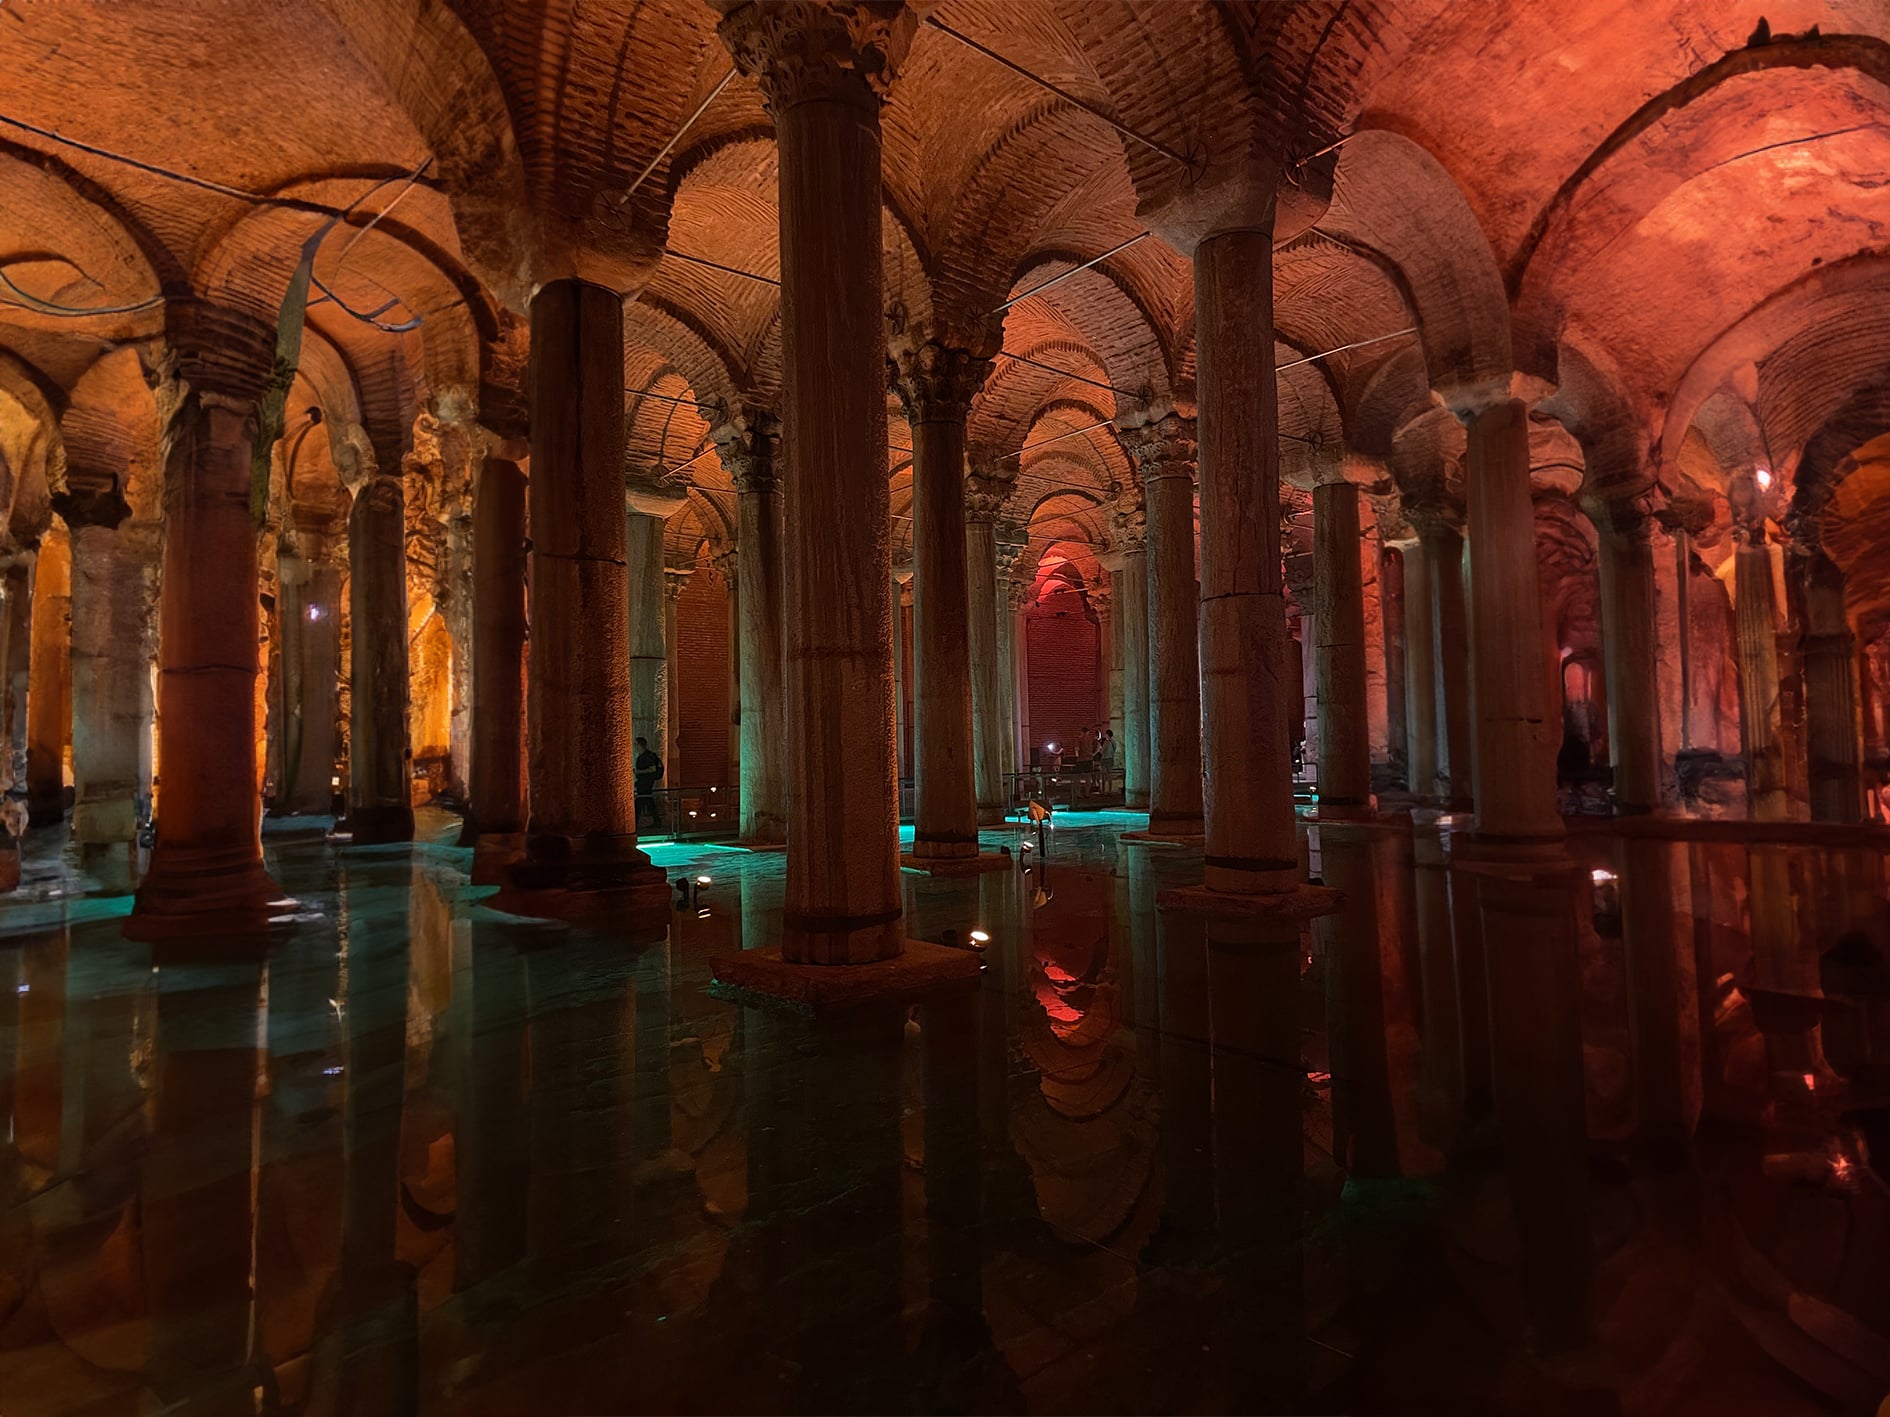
[1128, 520]
[727, 563]
[1624, 515]
[988, 492]
[935, 381]
[1012, 541]
[675, 578]
[1161, 447]
[803, 51]
[747, 442]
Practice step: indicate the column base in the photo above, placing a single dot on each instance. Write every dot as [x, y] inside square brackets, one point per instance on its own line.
[112, 864]
[921, 971]
[937, 847]
[378, 826]
[197, 892]
[958, 865]
[586, 878]
[494, 855]
[991, 814]
[825, 941]
[1153, 837]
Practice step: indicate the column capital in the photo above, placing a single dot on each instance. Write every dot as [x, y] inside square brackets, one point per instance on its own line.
[1017, 593]
[675, 578]
[86, 503]
[1128, 519]
[804, 51]
[726, 560]
[1622, 514]
[659, 497]
[747, 442]
[988, 491]
[1161, 447]
[214, 351]
[1471, 398]
[1101, 596]
[935, 378]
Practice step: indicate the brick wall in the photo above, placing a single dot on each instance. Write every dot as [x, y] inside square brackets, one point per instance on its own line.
[702, 666]
[1062, 656]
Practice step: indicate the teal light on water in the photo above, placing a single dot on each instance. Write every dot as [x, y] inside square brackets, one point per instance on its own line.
[677, 853]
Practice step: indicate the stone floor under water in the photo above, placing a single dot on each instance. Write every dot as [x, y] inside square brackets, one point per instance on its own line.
[424, 1157]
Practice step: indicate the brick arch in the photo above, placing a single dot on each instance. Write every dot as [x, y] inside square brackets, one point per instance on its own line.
[110, 431]
[1109, 309]
[1593, 404]
[32, 453]
[1403, 209]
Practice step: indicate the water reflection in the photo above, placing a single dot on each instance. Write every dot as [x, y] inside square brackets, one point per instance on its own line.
[420, 1156]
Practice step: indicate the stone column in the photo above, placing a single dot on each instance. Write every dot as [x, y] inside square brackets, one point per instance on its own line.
[747, 443]
[985, 496]
[1128, 575]
[111, 687]
[380, 766]
[1524, 883]
[1102, 604]
[936, 381]
[675, 581]
[1012, 665]
[1420, 671]
[1012, 542]
[16, 629]
[728, 567]
[824, 74]
[496, 798]
[1163, 452]
[1450, 625]
[650, 505]
[1833, 743]
[49, 696]
[1392, 623]
[1252, 844]
[1627, 640]
[206, 873]
[902, 576]
[1755, 616]
[582, 833]
[1345, 767]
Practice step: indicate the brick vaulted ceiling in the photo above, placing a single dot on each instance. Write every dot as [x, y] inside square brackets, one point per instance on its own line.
[1663, 209]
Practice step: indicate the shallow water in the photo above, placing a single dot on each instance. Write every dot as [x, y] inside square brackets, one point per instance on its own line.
[427, 1157]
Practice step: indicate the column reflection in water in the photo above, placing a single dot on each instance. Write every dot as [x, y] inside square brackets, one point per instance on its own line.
[582, 1100]
[492, 1163]
[816, 1264]
[298, 1225]
[1186, 1080]
[1440, 1061]
[1259, 1161]
[368, 1356]
[196, 1211]
[1662, 1023]
[1364, 1127]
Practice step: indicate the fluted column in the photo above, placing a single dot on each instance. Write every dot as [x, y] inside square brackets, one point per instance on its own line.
[113, 570]
[1628, 628]
[1450, 628]
[206, 872]
[1420, 671]
[582, 832]
[936, 381]
[49, 697]
[496, 806]
[380, 768]
[1163, 451]
[1833, 740]
[748, 444]
[824, 74]
[652, 689]
[985, 496]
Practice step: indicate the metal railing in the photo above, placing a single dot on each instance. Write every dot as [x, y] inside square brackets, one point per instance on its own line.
[688, 813]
